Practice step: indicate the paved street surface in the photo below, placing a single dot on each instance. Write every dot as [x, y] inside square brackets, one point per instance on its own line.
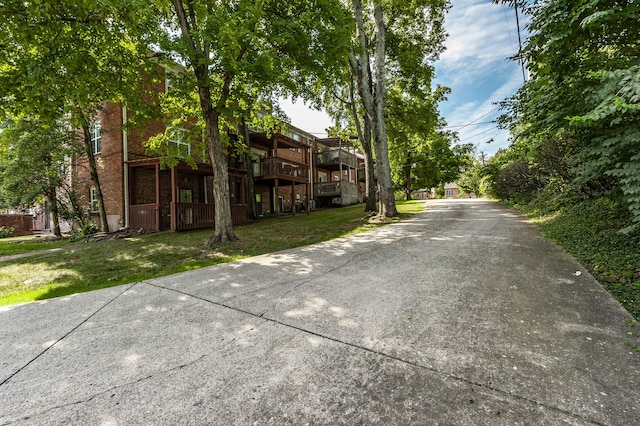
[461, 315]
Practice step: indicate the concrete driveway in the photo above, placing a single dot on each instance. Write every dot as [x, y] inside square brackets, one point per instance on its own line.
[462, 315]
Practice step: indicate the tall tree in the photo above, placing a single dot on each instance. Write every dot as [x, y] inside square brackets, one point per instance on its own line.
[395, 44]
[239, 52]
[369, 69]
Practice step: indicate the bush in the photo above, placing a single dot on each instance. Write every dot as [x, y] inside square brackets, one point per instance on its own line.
[88, 229]
[5, 231]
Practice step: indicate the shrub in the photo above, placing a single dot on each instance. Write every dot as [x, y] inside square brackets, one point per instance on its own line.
[5, 231]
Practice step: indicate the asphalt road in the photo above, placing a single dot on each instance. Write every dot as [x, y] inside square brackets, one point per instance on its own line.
[462, 315]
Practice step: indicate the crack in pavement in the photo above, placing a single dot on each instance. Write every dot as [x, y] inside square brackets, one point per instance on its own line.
[45, 350]
[140, 379]
[448, 375]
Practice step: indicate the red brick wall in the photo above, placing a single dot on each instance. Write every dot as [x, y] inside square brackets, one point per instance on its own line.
[21, 224]
[110, 161]
[109, 165]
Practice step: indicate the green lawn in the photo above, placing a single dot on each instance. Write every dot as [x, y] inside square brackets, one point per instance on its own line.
[19, 245]
[93, 265]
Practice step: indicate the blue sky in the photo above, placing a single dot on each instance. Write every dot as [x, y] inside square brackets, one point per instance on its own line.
[481, 37]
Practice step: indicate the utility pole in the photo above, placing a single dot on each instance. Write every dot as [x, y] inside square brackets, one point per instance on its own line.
[520, 57]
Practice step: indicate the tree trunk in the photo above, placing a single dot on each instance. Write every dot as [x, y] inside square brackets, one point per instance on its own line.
[93, 172]
[223, 220]
[407, 177]
[373, 99]
[364, 136]
[387, 199]
[369, 168]
[199, 56]
[53, 201]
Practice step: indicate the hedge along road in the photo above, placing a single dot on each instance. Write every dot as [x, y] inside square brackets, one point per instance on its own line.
[462, 314]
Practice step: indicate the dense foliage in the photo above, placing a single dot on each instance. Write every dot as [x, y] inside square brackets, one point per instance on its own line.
[575, 123]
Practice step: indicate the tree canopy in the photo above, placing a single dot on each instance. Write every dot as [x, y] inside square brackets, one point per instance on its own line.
[583, 96]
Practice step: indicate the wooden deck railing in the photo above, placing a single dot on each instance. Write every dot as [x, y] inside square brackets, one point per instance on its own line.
[143, 216]
[339, 188]
[274, 166]
[335, 157]
[188, 216]
[202, 216]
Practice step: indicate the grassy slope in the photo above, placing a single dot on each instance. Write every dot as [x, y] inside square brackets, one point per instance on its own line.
[94, 265]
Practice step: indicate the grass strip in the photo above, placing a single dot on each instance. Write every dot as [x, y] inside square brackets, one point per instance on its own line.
[95, 265]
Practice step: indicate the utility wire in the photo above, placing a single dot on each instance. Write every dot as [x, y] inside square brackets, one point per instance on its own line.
[469, 124]
[475, 120]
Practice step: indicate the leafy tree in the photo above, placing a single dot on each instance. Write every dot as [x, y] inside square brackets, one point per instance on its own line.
[583, 57]
[369, 70]
[393, 44]
[66, 58]
[240, 52]
[33, 163]
[421, 155]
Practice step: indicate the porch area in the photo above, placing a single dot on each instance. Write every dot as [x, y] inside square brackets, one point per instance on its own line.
[179, 198]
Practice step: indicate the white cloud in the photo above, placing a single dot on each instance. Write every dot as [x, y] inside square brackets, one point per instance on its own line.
[482, 36]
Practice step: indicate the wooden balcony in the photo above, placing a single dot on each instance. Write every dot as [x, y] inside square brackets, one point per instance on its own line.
[334, 158]
[336, 189]
[279, 168]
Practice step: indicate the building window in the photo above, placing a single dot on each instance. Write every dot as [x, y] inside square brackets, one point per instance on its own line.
[185, 195]
[96, 138]
[177, 145]
[94, 200]
[449, 192]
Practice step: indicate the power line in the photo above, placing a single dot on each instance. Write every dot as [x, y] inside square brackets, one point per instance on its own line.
[470, 124]
[476, 119]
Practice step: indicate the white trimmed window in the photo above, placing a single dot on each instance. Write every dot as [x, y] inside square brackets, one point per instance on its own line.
[168, 81]
[94, 200]
[96, 138]
[177, 144]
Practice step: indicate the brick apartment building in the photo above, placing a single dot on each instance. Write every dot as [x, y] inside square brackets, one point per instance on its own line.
[291, 171]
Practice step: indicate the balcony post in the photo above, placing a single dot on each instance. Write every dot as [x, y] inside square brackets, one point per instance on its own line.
[174, 221]
[157, 207]
[276, 197]
[293, 199]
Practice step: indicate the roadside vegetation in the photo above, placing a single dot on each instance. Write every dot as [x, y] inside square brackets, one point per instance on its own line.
[94, 265]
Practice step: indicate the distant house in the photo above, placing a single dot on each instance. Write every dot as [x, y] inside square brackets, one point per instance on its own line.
[451, 190]
[423, 194]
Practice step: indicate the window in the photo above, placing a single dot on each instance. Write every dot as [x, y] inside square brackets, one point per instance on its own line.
[94, 200]
[168, 81]
[96, 138]
[177, 145]
[449, 192]
[185, 195]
